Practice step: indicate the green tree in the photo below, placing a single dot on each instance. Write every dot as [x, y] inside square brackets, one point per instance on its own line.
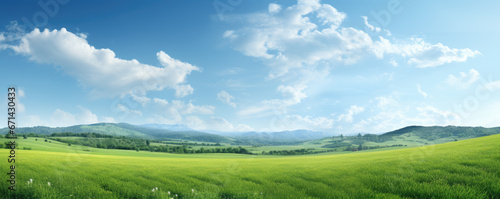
[360, 147]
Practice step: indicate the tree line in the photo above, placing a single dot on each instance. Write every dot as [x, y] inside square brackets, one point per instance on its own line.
[295, 152]
[97, 140]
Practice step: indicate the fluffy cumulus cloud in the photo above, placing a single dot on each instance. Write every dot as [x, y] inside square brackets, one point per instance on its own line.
[225, 97]
[292, 94]
[162, 111]
[274, 8]
[100, 69]
[421, 53]
[300, 44]
[183, 90]
[310, 32]
[173, 112]
[464, 80]
[353, 110]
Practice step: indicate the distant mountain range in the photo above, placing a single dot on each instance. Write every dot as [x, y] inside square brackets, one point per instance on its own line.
[172, 127]
[163, 131]
[278, 138]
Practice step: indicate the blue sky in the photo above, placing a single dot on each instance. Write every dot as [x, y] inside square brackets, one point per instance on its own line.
[333, 66]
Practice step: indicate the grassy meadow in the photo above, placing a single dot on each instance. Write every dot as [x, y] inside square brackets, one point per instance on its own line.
[462, 169]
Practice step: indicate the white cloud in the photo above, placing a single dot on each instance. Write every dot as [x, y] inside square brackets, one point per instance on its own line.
[429, 115]
[274, 8]
[225, 97]
[100, 69]
[371, 27]
[493, 85]
[232, 71]
[290, 39]
[308, 37]
[20, 93]
[421, 92]
[393, 62]
[183, 90]
[384, 102]
[292, 94]
[86, 116]
[62, 118]
[229, 34]
[161, 102]
[421, 53]
[128, 111]
[465, 80]
[189, 108]
[140, 99]
[353, 110]
[20, 108]
[175, 111]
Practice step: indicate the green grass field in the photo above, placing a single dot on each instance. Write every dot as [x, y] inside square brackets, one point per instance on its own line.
[462, 169]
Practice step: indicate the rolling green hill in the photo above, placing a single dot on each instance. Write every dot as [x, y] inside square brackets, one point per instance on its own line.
[435, 132]
[463, 169]
[410, 136]
[123, 129]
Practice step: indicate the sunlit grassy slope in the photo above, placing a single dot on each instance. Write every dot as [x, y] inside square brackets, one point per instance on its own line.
[462, 169]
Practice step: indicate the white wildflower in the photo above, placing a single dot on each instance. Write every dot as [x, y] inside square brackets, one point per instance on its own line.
[153, 190]
[192, 190]
[168, 192]
[48, 183]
